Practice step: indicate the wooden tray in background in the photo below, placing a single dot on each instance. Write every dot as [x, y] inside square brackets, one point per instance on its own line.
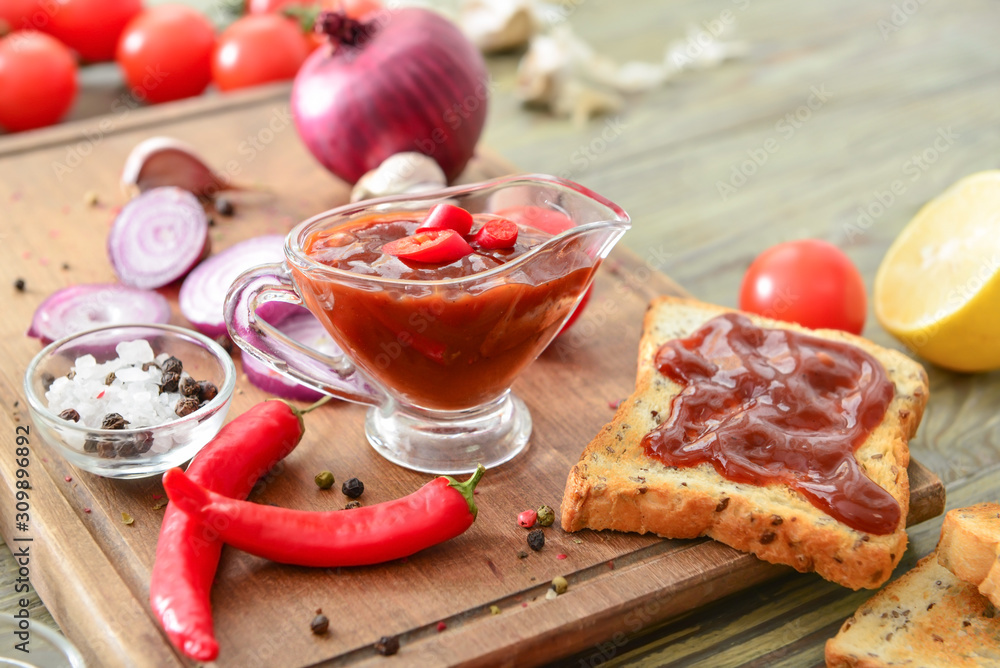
[92, 571]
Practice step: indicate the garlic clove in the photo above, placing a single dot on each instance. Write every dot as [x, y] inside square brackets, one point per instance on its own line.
[402, 173]
[165, 161]
[498, 25]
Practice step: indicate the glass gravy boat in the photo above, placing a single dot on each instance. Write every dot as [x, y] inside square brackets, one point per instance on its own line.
[435, 359]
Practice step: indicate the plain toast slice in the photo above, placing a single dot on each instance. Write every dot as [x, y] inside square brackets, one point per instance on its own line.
[615, 485]
[927, 618]
[970, 547]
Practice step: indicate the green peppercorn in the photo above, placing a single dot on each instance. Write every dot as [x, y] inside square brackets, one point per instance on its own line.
[536, 539]
[324, 480]
[320, 623]
[559, 584]
[546, 516]
[353, 488]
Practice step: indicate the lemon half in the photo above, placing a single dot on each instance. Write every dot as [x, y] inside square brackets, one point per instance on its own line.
[938, 287]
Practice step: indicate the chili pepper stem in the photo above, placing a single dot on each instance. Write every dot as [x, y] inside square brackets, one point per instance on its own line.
[299, 412]
[468, 487]
[314, 406]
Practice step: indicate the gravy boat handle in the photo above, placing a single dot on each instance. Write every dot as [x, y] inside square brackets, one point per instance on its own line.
[334, 375]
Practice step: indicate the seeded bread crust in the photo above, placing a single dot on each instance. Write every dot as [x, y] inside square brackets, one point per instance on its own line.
[616, 486]
[970, 547]
[927, 618]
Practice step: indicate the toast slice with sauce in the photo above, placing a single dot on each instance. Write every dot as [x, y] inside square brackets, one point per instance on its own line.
[927, 618]
[616, 485]
[970, 547]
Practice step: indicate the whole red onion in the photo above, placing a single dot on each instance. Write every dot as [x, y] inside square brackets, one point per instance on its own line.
[404, 80]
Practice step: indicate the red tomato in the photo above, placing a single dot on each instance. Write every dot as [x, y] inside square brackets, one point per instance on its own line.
[447, 217]
[166, 53]
[810, 282]
[17, 15]
[256, 50]
[89, 27]
[496, 233]
[434, 246]
[37, 80]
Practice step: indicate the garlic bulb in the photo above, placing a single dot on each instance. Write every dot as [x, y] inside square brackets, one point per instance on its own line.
[400, 174]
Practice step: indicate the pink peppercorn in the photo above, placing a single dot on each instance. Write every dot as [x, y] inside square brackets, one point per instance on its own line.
[527, 518]
[441, 626]
[560, 556]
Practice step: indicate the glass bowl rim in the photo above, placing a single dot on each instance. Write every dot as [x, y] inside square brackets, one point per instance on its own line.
[218, 352]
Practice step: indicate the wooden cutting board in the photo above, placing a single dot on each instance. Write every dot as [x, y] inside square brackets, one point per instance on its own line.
[92, 571]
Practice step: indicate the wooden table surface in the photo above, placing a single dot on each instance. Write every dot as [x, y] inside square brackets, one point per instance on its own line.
[899, 91]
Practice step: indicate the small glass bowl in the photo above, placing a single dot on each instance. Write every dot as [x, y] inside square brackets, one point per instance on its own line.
[47, 647]
[169, 444]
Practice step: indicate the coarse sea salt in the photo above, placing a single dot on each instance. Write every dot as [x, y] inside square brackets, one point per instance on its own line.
[134, 393]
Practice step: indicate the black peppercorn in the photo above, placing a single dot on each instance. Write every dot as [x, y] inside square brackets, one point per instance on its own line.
[320, 623]
[351, 505]
[143, 442]
[224, 206]
[170, 381]
[207, 390]
[188, 386]
[186, 406]
[90, 445]
[387, 645]
[19, 285]
[127, 448]
[353, 488]
[113, 421]
[172, 365]
[70, 414]
[105, 449]
[536, 539]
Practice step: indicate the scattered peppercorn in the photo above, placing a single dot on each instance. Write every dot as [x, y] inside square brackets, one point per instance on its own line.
[91, 198]
[546, 516]
[495, 610]
[527, 519]
[19, 285]
[320, 623]
[536, 539]
[211, 222]
[71, 415]
[169, 381]
[522, 555]
[65, 266]
[351, 505]
[353, 488]
[173, 365]
[188, 386]
[207, 390]
[559, 584]
[113, 421]
[224, 206]
[186, 406]
[110, 378]
[441, 626]
[387, 645]
[324, 480]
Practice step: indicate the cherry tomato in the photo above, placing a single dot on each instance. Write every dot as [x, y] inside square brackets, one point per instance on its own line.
[540, 218]
[433, 246]
[89, 27]
[166, 53]
[810, 282]
[37, 80]
[256, 50]
[447, 217]
[17, 15]
[496, 233]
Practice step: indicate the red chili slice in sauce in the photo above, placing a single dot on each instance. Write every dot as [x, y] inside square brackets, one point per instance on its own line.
[432, 246]
[496, 233]
[447, 217]
[772, 405]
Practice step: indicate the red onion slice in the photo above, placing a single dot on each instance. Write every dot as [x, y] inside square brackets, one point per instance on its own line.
[158, 237]
[90, 305]
[203, 292]
[301, 326]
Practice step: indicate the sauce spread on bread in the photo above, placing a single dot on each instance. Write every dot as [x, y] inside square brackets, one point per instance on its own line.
[772, 405]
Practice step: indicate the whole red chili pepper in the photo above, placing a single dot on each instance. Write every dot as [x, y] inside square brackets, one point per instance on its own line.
[441, 509]
[187, 553]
